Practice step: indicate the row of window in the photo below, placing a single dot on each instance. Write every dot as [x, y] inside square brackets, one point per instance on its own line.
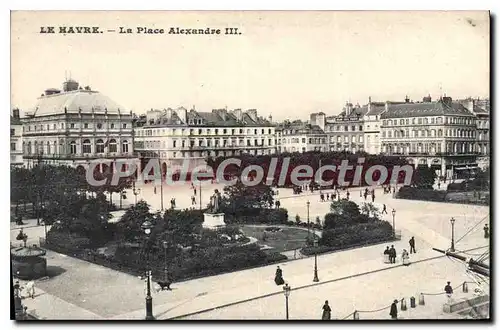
[346, 138]
[202, 131]
[427, 121]
[47, 127]
[99, 147]
[208, 143]
[303, 149]
[304, 140]
[431, 148]
[430, 133]
[345, 128]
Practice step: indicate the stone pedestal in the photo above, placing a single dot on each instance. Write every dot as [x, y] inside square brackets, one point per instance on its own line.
[213, 220]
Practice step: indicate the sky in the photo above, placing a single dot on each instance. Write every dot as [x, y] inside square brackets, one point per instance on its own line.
[284, 64]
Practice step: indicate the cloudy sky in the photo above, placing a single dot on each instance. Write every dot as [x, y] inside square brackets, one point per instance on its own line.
[287, 64]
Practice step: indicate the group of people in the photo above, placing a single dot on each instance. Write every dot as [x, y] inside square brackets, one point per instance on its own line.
[331, 196]
[369, 192]
[388, 189]
[391, 253]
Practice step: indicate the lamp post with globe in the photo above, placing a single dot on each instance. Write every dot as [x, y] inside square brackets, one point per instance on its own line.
[146, 227]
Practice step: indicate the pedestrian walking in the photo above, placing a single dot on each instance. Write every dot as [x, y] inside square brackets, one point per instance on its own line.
[30, 289]
[486, 231]
[154, 190]
[327, 311]
[278, 278]
[392, 254]
[394, 310]
[387, 255]
[449, 291]
[412, 245]
[278, 204]
[322, 197]
[373, 198]
[194, 189]
[347, 194]
[327, 196]
[193, 200]
[405, 257]
[384, 209]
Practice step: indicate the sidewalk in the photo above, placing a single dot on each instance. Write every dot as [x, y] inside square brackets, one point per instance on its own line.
[264, 286]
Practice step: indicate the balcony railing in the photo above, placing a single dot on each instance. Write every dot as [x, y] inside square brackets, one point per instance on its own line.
[84, 156]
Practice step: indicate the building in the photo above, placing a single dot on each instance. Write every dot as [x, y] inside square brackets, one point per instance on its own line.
[371, 125]
[301, 137]
[345, 131]
[439, 134]
[74, 126]
[177, 135]
[16, 139]
[481, 109]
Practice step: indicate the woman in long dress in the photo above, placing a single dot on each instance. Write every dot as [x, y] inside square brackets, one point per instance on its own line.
[406, 257]
[278, 279]
[327, 311]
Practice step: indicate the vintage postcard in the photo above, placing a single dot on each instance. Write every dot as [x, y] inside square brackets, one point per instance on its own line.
[250, 165]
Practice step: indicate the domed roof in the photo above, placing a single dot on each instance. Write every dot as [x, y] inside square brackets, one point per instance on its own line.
[74, 101]
[29, 251]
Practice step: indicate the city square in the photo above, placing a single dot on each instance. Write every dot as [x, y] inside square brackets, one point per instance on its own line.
[345, 176]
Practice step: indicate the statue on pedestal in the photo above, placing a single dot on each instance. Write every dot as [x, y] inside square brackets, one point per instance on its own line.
[215, 200]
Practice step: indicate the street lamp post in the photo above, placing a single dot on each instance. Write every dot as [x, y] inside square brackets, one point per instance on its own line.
[315, 279]
[286, 291]
[308, 233]
[136, 192]
[452, 221]
[147, 226]
[394, 222]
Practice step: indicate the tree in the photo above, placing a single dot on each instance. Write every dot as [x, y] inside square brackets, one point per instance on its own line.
[130, 223]
[345, 208]
[240, 197]
[423, 177]
[370, 209]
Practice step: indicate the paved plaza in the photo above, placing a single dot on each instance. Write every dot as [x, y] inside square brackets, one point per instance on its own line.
[351, 280]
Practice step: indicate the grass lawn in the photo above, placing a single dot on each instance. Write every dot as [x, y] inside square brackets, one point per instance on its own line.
[288, 238]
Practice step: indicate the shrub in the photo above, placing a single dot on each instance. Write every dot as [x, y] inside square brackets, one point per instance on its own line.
[421, 194]
[357, 234]
[67, 240]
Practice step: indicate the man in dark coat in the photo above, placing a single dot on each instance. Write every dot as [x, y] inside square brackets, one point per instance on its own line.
[278, 204]
[392, 255]
[394, 310]
[486, 231]
[412, 245]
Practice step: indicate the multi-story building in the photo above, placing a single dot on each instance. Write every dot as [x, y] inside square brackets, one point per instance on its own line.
[439, 134]
[301, 137]
[176, 135]
[345, 131]
[371, 125]
[16, 139]
[481, 109]
[76, 125]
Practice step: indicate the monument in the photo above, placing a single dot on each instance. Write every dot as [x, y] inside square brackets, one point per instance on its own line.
[213, 218]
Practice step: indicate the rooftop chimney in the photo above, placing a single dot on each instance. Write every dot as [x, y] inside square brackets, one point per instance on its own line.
[15, 113]
[238, 114]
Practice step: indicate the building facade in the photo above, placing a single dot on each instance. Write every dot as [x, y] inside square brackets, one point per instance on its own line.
[76, 125]
[345, 132]
[439, 134]
[301, 137]
[16, 139]
[371, 126]
[481, 109]
[176, 135]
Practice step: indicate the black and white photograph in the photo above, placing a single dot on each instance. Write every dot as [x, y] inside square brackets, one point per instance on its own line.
[250, 165]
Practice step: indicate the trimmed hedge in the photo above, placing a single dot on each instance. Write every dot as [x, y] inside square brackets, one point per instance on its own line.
[357, 234]
[263, 216]
[67, 240]
[421, 194]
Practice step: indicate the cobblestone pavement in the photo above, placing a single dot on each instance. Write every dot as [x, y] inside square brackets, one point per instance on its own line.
[78, 286]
